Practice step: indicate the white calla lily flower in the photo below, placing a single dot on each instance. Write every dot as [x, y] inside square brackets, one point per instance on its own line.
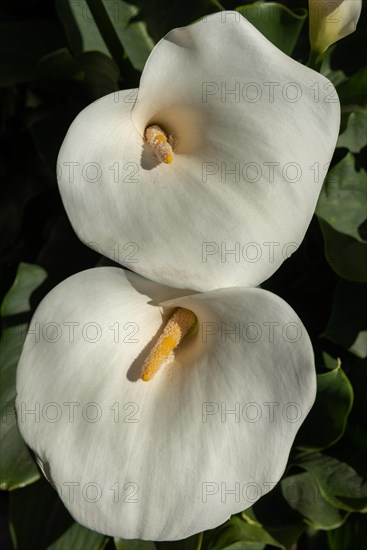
[209, 176]
[331, 21]
[208, 435]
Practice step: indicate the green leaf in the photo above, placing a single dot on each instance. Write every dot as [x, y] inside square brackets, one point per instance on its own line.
[137, 43]
[279, 24]
[280, 529]
[339, 483]
[28, 278]
[346, 255]
[163, 16]
[353, 92]
[343, 199]
[84, 35]
[100, 74]
[78, 537]
[347, 324]
[327, 420]
[354, 136]
[303, 495]
[17, 467]
[359, 346]
[191, 543]
[329, 362]
[56, 69]
[37, 516]
[336, 77]
[244, 546]
[84, 78]
[134, 545]
[23, 43]
[273, 514]
[239, 534]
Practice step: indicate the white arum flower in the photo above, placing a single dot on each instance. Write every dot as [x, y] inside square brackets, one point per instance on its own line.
[224, 186]
[332, 20]
[204, 438]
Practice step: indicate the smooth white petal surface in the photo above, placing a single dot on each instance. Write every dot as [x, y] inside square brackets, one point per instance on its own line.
[157, 460]
[255, 133]
[332, 21]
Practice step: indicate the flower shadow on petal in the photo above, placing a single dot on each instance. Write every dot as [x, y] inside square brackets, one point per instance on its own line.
[157, 295]
[148, 160]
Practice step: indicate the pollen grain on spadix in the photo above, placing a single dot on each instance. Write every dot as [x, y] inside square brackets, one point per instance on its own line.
[178, 325]
[162, 145]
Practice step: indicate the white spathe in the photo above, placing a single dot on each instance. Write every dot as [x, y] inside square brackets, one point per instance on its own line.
[255, 132]
[158, 460]
[331, 21]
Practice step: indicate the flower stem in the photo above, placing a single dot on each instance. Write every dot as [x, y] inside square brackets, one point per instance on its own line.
[315, 60]
[199, 542]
